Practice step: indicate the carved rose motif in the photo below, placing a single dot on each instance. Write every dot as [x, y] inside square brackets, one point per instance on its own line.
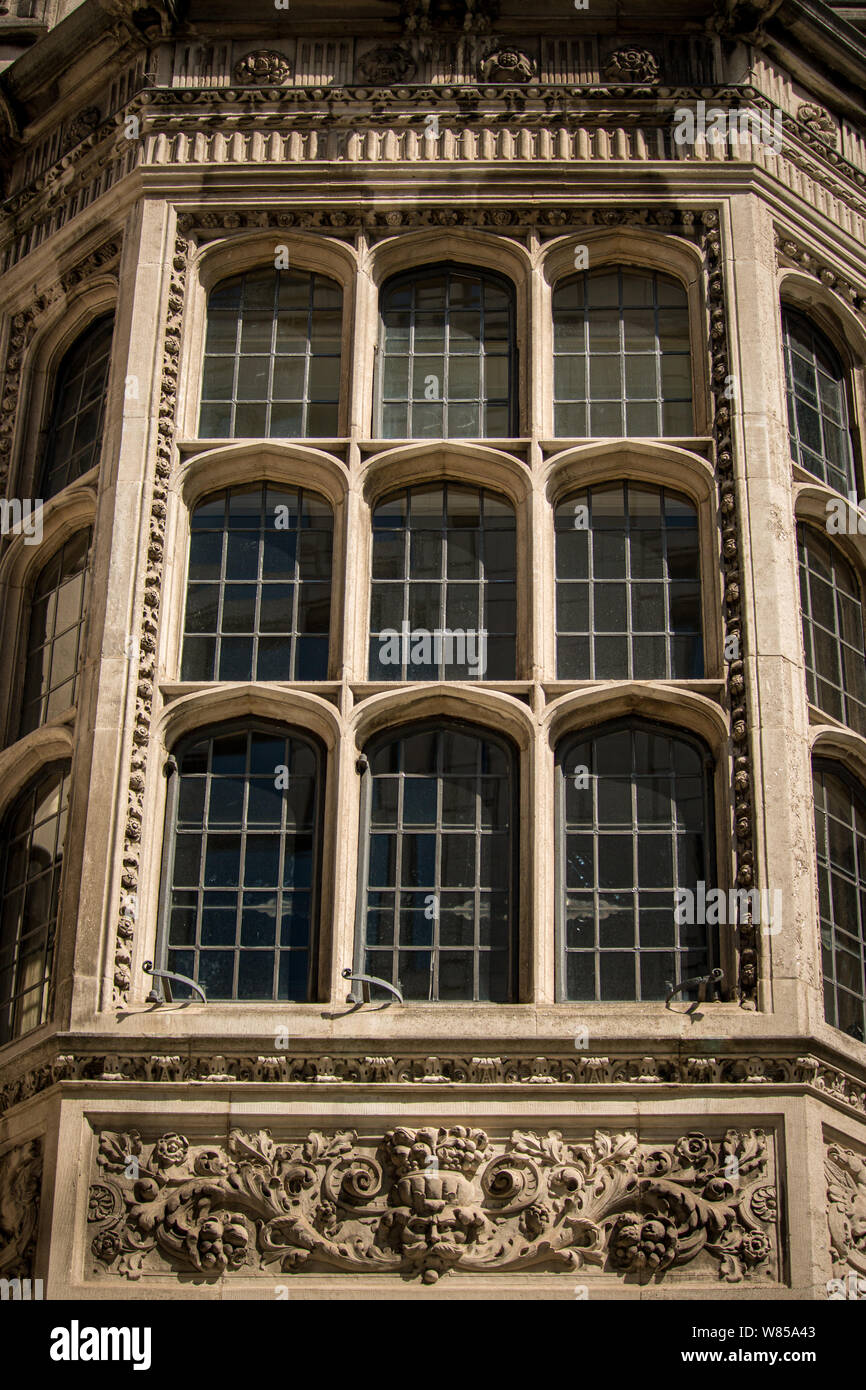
[507, 65]
[632, 65]
[171, 1149]
[385, 65]
[82, 125]
[422, 1202]
[263, 68]
[100, 1203]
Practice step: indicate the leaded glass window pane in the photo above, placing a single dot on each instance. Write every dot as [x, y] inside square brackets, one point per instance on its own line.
[272, 357]
[635, 826]
[31, 859]
[628, 588]
[622, 359]
[840, 833]
[833, 638]
[56, 635]
[447, 356]
[259, 586]
[818, 422]
[438, 849]
[244, 839]
[443, 600]
[78, 413]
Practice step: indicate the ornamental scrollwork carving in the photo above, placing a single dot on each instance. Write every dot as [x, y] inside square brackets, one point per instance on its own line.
[20, 1188]
[507, 65]
[817, 121]
[385, 65]
[262, 68]
[632, 64]
[846, 1209]
[421, 1203]
[143, 649]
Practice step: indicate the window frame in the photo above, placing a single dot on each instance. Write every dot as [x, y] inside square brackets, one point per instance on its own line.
[208, 732]
[718, 952]
[809, 523]
[429, 271]
[30, 789]
[101, 316]
[626, 264]
[16, 712]
[826, 765]
[822, 330]
[399, 732]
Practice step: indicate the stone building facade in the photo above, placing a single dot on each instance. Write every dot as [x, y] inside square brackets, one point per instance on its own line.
[431, 441]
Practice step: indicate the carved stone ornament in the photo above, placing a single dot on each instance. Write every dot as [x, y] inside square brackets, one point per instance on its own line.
[81, 126]
[632, 65]
[20, 1188]
[424, 1202]
[507, 65]
[262, 68]
[385, 65]
[816, 119]
[846, 1209]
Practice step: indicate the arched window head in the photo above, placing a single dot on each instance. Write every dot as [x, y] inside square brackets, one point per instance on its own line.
[636, 859]
[243, 840]
[833, 639]
[840, 833]
[55, 640]
[74, 439]
[272, 357]
[622, 360]
[31, 858]
[628, 586]
[443, 603]
[447, 355]
[438, 858]
[259, 587]
[818, 423]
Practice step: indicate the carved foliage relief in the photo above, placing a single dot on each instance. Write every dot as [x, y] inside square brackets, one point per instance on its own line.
[846, 1209]
[20, 1188]
[420, 1203]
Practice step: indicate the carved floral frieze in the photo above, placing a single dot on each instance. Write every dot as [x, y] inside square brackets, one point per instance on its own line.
[846, 1209]
[420, 1203]
[20, 1189]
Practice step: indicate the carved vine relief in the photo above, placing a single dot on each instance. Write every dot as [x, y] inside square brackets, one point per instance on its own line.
[20, 1188]
[420, 1203]
[846, 1209]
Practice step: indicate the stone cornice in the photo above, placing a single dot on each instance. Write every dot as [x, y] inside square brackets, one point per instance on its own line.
[495, 1066]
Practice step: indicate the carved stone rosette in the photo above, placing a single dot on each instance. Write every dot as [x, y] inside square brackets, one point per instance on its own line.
[149, 626]
[846, 1209]
[386, 64]
[263, 68]
[632, 65]
[507, 65]
[420, 1203]
[749, 936]
[20, 1190]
